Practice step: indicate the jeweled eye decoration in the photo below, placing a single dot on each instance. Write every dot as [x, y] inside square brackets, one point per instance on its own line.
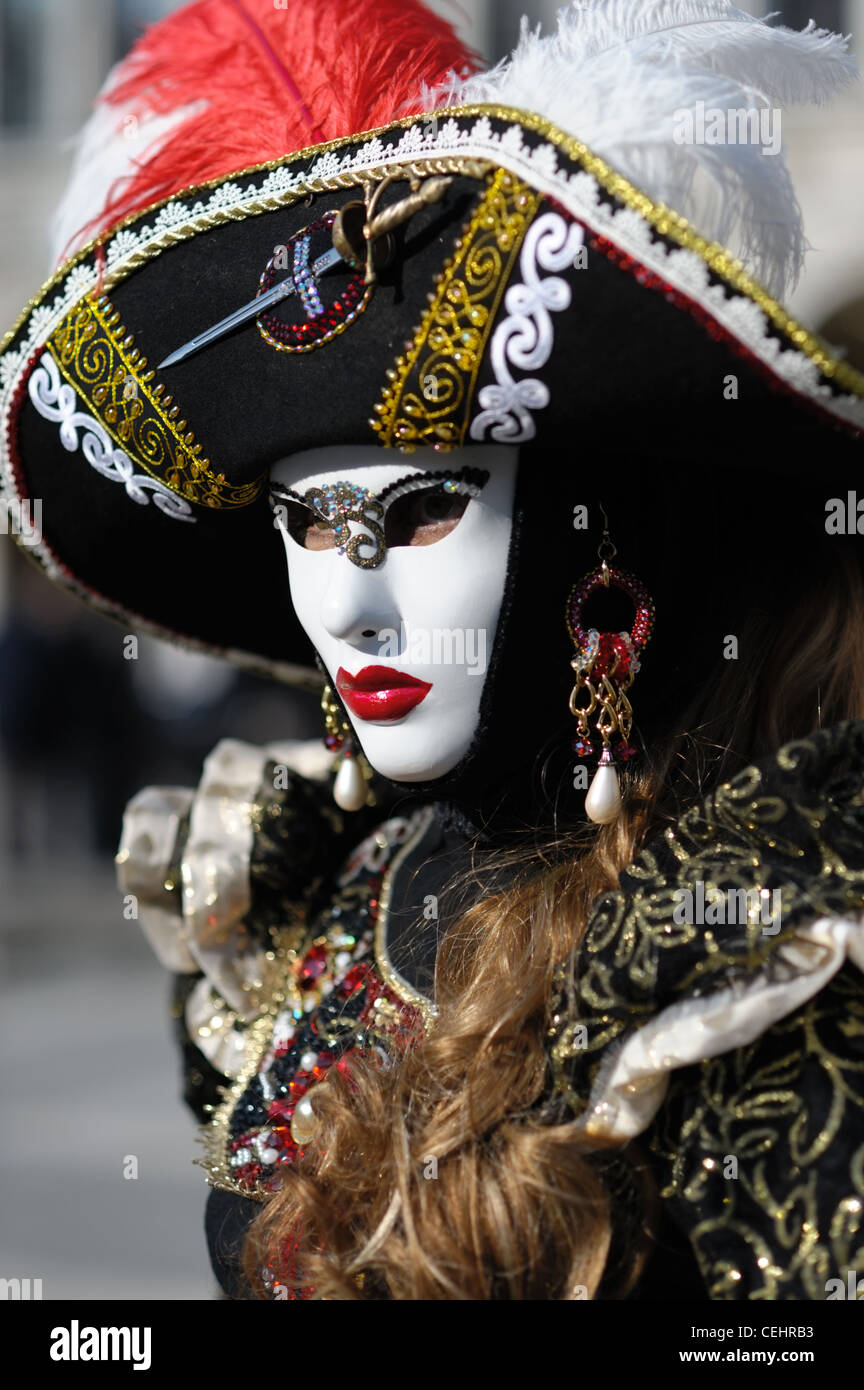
[339, 506]
[467, 481]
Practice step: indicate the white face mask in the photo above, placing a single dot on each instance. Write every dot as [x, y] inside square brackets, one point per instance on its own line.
[402, 604]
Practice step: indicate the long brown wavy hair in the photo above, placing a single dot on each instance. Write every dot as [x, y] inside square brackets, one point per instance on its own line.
[519, 1208]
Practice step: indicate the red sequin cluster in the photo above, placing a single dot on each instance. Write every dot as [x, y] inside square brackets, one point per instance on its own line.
[370, 1009]
[612, 653]
[310, 333]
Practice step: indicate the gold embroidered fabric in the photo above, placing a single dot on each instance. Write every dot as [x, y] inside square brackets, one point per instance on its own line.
[760, 1155]
[428, 401]
[95, 355]
[758, 1152]
[760, 1149]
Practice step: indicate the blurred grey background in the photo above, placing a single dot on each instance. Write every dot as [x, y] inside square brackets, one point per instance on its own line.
[89, 1073]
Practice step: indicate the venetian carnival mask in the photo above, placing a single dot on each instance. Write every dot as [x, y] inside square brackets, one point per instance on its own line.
[397, 572]
[435, 290]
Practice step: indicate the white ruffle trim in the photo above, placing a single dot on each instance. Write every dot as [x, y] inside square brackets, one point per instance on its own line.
[202, 927]
[632, 1082]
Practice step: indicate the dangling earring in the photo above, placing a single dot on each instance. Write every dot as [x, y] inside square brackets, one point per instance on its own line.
[605, 664]
[351, 789]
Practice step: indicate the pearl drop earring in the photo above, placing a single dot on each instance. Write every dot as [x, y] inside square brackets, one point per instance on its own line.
[605, 664]
[351, 788]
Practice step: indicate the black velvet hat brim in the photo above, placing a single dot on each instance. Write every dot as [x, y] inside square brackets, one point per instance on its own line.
[639, 376]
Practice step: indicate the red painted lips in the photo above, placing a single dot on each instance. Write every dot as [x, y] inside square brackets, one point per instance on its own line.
[379, 692]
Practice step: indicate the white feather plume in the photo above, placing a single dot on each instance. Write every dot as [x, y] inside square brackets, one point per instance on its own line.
[106, 149]
[615, 74]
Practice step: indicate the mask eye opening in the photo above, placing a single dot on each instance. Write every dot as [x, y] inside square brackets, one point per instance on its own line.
[423, 515]
[309, 528]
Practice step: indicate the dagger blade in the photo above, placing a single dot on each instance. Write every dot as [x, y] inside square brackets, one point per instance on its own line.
[248, 311]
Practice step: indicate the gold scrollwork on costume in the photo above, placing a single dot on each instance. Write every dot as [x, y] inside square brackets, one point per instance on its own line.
[785, 1221]
[432, 385]
[758, 1148]
[96, 356]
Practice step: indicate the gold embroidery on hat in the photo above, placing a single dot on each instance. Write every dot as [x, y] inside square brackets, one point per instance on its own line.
[432, 385]
[662, 218]
[96, 356]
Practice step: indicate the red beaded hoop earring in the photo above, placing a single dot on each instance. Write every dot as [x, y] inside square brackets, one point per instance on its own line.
[605, 664]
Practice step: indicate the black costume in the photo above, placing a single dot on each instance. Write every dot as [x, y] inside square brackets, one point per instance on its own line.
[745, 1043]
[569, 310]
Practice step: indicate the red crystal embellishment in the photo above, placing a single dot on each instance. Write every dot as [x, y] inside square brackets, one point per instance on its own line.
[313, 965]
[301, 334]
[356, 978]
[625, 751]
[614, 655]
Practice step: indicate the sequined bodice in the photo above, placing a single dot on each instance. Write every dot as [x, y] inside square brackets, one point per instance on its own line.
[333, 993]
[709, 1041]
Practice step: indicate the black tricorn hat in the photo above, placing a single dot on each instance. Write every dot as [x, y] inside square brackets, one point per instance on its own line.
[498, 283]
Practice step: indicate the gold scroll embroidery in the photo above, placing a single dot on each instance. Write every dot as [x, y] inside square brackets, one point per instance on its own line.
[95, 355]
[432, 386]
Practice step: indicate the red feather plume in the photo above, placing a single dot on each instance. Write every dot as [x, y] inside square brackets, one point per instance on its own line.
[275, 79]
